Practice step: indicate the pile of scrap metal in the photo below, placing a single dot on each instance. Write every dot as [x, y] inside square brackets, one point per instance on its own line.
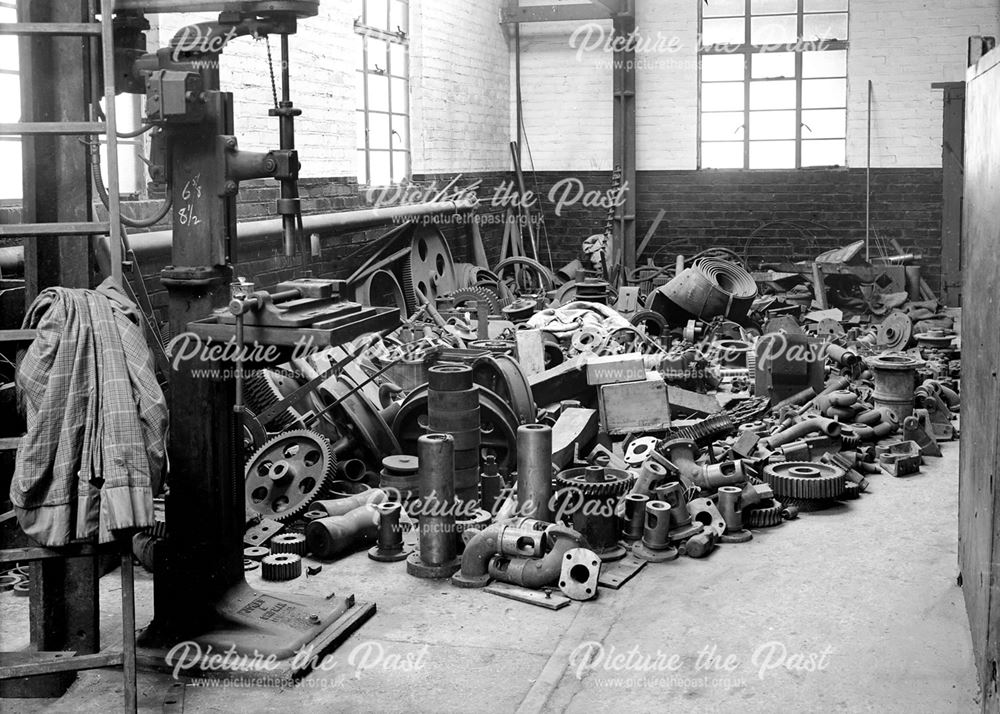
[548, 433]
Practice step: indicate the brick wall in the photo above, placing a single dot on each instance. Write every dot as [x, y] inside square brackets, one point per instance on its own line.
[901, 46]
[818, 209]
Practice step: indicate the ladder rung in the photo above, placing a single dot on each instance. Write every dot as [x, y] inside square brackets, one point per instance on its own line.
[52, 128]
[50, 28]
[53, 229]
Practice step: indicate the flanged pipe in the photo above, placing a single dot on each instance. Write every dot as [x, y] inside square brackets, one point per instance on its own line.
[498, 539]
[731, 508]
[437, 557]
[802, 429]
[538, 572]
[534, 471]
[655, 545]
[634, 516]
[389, 547]
[651, 473]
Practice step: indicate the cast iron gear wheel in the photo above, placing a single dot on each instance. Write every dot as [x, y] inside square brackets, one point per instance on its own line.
[428, 268]
[764, 515]
[278, 567]
[803, 505]
[851, 492]
[704, 432]
[287, 473]
[616, 482]
[805, 480]
[289, 543]
[478, 295]
[264, 388]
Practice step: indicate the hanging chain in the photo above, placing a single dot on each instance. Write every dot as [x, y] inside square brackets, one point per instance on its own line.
[270, 66]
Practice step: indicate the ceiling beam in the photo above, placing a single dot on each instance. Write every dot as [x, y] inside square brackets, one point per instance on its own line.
[558, 13]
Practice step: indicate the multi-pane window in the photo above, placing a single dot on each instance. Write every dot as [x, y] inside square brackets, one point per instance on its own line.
[773, 83]
[131, 172]
[382, 28]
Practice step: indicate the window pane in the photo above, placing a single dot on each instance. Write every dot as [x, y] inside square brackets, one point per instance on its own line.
[10, 109]
[727, 155]
[832, 63]
[724, 96]
[399, 98]
[824, 124]
[779, 30]
[772, 95]
[824, 93]
[377, 58]
[360, 130]
[378, 131]
[825, 5]
[400, 132]
[773, 7]
[824, 27]
[362, 169]
[359, 100]
[772, 125]
[397, 59]
[769, 65]
[8, 52]
[722, 127]
[772, 154]
[359, 51]
[399, 17]
[722, 8]
[376, 14]
[10, 180]
[723, 32]
[381, 168]
[718, 68]
[824, 153]
[378, 92]
[399, 165]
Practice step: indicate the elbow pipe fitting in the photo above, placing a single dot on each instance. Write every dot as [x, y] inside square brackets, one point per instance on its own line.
[803, 429]
[343, 506]
[842, 398]
[329, 537]
[842, 356]
[497, 539]
[537, 573]
[870, 417]
[682, 454]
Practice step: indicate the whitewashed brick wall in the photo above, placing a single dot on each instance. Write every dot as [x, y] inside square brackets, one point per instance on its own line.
[901, 45]
[460, 86]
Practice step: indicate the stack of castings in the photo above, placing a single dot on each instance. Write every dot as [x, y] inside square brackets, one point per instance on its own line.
[453, 408]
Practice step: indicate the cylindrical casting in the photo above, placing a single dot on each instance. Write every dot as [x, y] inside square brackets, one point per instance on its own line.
[453, 408]
[330, 537]
[437, 557]
[534, 471]
[651, 473]
[895, 380]
[340, 506]
[656, 532]
[635, 515]
[730, 507]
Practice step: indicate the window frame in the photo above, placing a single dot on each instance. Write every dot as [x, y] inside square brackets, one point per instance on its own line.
[748, 50]
[369, 30]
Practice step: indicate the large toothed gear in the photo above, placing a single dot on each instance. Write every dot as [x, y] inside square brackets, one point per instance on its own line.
[478, 294]
[279, 567]
[265, 388]
[764, 515]
[805, 480]
[616, 482]
[288, 473]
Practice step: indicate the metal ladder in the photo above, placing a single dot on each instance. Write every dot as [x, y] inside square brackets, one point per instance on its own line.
[112, 227]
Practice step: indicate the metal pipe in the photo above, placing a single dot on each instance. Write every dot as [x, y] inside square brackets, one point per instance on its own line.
[437, 557]
[538, 572]
[389, 547]
[534, 471]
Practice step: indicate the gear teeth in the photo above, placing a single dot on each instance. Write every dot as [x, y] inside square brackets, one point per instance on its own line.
[827, 482]
[279, 567]
[261, 394]
[764, 516]
[704, 432]
[808, 505]
[286, 498]
[617, 484]
[289, 543]
[479, 294]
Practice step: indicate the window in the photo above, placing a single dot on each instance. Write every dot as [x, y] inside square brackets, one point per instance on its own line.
[131, 172]
[773, 76]
[382, 28]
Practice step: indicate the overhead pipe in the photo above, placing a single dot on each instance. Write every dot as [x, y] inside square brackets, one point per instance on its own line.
[155, 247]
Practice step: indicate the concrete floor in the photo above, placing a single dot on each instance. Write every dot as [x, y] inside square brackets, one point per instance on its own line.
[866, 594]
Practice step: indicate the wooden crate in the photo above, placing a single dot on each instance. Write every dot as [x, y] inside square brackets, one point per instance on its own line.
[634, 407]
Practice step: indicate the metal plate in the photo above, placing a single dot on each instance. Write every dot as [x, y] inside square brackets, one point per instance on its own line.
[550, 600]
[614, 575]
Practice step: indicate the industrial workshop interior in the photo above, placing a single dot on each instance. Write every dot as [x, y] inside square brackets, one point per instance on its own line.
[499, 355]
